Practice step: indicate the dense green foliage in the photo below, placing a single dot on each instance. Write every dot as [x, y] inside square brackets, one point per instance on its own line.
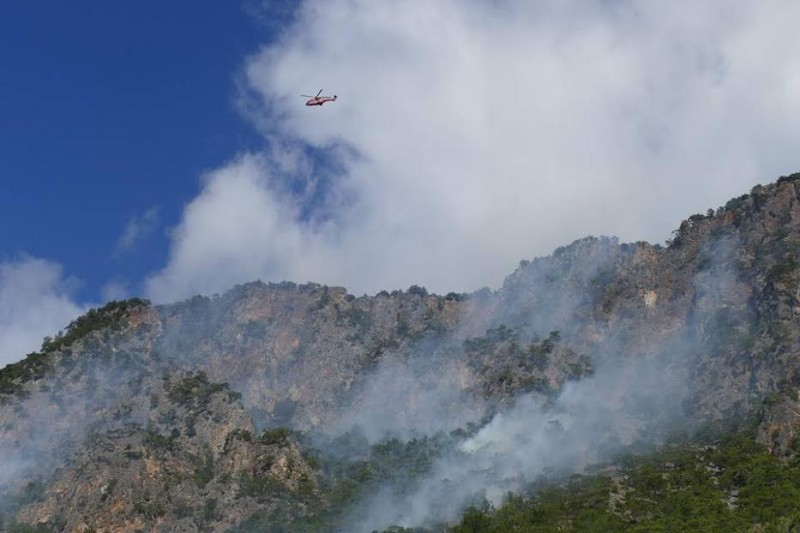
[729, 485]
[721, 482]
[195, 391]
[343, 482]
[36, 364]
[510, 365]
[93, 320]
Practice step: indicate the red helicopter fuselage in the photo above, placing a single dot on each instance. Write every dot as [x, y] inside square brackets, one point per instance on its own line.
[319, 100]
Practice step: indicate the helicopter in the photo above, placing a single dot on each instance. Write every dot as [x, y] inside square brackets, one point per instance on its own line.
[319, 100]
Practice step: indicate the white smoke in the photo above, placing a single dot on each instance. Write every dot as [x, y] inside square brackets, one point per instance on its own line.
[637, 394]
[404, 399]
[591, 419]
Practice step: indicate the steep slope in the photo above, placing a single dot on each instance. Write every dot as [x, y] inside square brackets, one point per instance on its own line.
[173, 472]
[142, 417]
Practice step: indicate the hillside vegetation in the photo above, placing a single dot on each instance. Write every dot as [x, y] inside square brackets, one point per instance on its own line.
[576, 397]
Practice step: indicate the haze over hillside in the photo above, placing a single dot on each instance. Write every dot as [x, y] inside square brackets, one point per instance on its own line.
[164, 150]
[276, 407]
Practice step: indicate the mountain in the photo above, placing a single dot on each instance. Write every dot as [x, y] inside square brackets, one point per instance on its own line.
[285, 407]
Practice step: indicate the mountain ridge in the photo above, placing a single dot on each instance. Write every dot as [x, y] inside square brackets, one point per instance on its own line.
[712, 315]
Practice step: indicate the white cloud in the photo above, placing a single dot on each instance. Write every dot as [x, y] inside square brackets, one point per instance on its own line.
[138, 229]
[485, 132]
[35, 302]
[238, 229]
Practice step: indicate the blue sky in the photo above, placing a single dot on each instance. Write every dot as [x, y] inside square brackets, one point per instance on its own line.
[161, 149]
[109, 110]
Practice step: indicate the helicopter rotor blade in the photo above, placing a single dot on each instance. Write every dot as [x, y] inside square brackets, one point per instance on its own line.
[319, 93]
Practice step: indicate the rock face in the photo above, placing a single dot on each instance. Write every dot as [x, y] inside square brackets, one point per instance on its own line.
[143, 418]
[172, 474]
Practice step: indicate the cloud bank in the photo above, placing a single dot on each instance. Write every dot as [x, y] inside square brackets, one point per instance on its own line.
[35, 301]
[471, 134]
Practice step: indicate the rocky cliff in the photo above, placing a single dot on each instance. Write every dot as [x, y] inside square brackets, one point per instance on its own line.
[197, 416]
